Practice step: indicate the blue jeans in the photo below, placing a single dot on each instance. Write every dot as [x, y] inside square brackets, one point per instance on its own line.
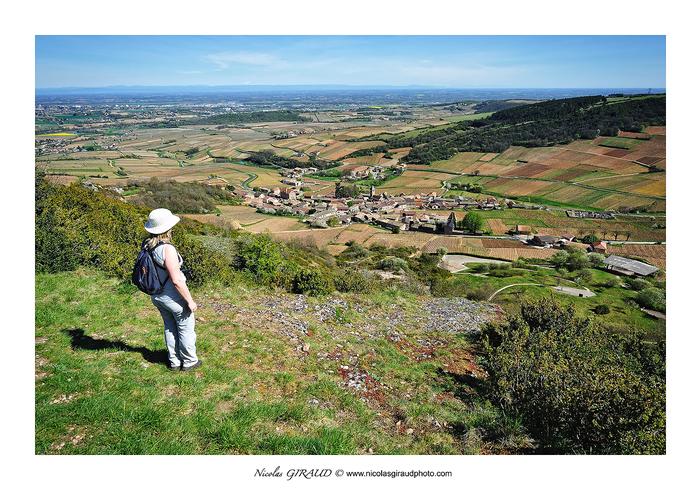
[180, 336]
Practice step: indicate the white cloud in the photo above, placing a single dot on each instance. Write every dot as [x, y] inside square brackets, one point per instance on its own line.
[226, 59]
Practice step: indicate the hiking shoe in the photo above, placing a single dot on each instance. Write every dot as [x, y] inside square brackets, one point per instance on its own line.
[175, 368]
[193, 366]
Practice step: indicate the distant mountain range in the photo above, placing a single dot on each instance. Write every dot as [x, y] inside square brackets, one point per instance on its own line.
[169, 89]
[505, 93]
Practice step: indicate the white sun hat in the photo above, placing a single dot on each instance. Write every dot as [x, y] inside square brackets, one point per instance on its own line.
[160, 220]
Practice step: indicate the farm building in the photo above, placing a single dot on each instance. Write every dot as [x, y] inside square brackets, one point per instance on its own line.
[523, 229]
[451, 224]
[566, 243]
[391, 224]
[543, 239]
[629, 266]
[600, 247]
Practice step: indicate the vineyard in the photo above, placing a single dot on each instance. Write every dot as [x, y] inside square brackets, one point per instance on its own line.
[497, 226]
[655, 254]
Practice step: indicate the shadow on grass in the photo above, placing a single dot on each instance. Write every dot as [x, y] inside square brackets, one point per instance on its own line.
[78, 340]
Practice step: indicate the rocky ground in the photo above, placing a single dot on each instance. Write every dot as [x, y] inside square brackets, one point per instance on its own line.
[417, 328]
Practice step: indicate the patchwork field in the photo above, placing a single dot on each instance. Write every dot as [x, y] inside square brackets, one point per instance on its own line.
[582, 161]
[459, 163]
[413, 181]
[608, 164]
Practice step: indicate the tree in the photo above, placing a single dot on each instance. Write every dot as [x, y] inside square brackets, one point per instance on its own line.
[578, 261]
[590, 239]
[596, 258]
[472, 222]
[559, 259]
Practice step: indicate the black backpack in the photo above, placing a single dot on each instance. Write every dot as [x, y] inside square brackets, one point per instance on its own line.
[145, 276]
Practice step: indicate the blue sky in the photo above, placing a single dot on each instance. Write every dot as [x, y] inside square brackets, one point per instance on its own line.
[530, 61]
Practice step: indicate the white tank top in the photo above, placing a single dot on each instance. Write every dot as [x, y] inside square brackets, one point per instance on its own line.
[163, 274]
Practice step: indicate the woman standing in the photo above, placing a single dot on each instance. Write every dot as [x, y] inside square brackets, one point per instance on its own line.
[174, 302]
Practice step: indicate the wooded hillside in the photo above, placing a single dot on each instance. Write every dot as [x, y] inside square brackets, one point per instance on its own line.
[546, 123]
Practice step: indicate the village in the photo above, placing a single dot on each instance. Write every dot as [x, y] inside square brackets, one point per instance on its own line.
[423, 213]
[396, 213]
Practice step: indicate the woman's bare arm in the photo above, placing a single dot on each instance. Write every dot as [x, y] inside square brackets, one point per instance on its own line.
[172, 263]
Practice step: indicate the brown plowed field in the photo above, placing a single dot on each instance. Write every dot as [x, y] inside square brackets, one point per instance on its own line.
[640, 136]
[496, 182]
[649, 160]
[336, 249]
[488, 168]
[529, 170]
[615, 165]
[617, 153]
[359, 233]
[573, 156]
[390, 240]
[570, 175]
[526, 187]
[453, 245]
[309, 237]
[660, 130]
[654, 148]
[488, 157]
[514, 253]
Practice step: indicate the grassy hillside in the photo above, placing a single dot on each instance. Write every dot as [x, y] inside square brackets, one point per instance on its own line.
[388, 373]
[282, 373]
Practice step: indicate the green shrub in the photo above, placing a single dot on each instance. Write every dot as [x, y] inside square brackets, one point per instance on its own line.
[203, 263]
[639, 284]
[559, 259]
[505, 273]
[76, 226]
[611, 282]
[481, 292]
[355, 251]
[602, 309]
[578, 388]
[596, 258]
[180, 197]
[263, 260]
[578, 261]
[392, 264]
[481, 268]
[652, 298]
[312, 282]
[348, 280]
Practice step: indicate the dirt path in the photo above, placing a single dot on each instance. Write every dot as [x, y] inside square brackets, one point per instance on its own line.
[581, 293]
[511, 285]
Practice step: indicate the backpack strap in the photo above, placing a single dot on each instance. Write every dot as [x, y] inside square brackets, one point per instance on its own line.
[163, 266]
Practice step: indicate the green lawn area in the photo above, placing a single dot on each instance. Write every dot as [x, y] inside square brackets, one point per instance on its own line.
[624, 313]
